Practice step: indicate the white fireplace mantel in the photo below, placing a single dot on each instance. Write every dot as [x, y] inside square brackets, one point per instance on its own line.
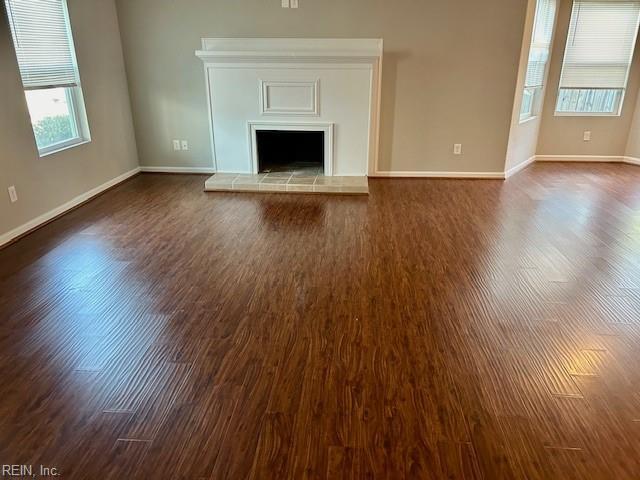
[330, 85]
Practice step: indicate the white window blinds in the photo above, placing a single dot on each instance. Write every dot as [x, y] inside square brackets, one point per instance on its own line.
[43, 43]
[540, 43]
[600, 44]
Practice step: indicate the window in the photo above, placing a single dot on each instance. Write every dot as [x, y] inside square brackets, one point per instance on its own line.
[46, 57]
[538, 58]
[600, 44]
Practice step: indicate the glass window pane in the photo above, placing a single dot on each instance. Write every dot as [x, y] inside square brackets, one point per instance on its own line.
[538, 57]
[526, 110]
[540, 43]
[52, 116]
[589, 100]
[530, 99]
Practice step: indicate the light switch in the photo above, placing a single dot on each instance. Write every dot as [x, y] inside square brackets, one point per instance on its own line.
[176, 145]
[285, 3]
[294, 3]
[587, 136]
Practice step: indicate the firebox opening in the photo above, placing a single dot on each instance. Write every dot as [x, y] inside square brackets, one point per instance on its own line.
[290, 151]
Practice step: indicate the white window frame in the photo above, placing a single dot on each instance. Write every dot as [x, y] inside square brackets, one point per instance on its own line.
[75, 99]
[532, 113]
[618, 110]
[537, 90]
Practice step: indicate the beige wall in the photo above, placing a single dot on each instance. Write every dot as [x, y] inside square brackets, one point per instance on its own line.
[564, 135]
[46, 183]
[450, 71]
[633, 143]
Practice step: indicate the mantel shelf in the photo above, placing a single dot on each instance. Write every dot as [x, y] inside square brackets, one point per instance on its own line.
[288, 49]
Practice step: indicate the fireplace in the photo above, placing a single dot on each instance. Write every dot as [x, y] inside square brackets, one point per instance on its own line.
[290, 151]
[329, 89]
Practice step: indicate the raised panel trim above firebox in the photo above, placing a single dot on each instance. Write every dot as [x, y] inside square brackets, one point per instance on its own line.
[290, 98]
[326, 128]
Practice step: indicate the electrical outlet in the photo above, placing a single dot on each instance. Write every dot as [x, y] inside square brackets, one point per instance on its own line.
[13, 195]
[176, 145]
[457, 149]
[587, 136]
[294, 3]
[285, 3]
[185, 145]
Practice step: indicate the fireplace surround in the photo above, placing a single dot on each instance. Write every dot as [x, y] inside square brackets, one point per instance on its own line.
[306, 85]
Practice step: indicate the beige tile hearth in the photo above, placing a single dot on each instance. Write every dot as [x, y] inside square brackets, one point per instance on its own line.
[286, 182]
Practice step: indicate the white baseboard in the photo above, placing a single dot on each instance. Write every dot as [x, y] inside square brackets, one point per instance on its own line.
[489, 175]
[51, 214]
[579, 158]
[632, 160]
[178, 170]
[588, 158]
[513, 170]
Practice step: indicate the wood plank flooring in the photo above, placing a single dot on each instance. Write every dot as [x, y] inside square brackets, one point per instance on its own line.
[435, 329]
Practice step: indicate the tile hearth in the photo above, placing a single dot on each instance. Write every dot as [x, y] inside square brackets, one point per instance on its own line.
[292, 182]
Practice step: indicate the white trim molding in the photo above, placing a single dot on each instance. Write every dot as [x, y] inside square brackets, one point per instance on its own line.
[208, 170]
[580, 158]
[268, 106]
[518, 168]
[588, 159]
[420, 174]
[70, 205]
[326, 128]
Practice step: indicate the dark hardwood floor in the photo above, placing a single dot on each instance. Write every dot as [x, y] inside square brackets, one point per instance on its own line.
[436, 329]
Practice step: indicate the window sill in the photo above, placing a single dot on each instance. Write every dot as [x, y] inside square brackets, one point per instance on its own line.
[584, 114]
[527, 120]
[62, 148]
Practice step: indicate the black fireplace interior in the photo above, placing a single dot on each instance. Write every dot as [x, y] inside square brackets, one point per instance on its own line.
[284, 151]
